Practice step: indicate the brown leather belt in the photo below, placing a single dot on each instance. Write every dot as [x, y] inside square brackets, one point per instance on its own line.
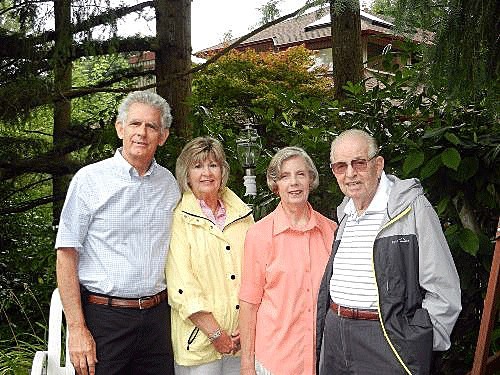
[128, 303]
[350, 313]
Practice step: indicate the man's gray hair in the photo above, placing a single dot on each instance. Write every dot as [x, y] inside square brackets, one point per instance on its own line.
[145, 97]
[356, 133]
[274, 168]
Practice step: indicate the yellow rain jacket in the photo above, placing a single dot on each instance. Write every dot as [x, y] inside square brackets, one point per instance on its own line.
[203, 273]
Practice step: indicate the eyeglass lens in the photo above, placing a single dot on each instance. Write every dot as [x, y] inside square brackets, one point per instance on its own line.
[359, 165]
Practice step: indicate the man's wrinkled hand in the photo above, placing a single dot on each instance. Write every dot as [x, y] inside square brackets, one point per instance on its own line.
[82, 351]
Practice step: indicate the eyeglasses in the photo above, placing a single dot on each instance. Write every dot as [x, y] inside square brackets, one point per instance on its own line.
[360, 165]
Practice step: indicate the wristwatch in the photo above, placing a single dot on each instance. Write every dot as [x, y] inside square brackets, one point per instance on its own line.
[215, 335]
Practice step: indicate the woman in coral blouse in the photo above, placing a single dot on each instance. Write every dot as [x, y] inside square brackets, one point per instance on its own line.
[284, 259]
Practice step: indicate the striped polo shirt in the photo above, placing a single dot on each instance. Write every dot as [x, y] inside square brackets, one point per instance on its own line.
[353, 280]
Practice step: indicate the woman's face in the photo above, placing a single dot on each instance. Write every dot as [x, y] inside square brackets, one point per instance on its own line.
[205, 178]
[294, 181]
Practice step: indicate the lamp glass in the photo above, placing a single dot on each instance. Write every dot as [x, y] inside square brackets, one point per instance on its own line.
[248, 147]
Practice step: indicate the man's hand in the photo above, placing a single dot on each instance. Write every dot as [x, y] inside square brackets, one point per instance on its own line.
[82, 350]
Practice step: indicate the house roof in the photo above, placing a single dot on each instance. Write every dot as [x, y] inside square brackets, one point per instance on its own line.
[313, 26]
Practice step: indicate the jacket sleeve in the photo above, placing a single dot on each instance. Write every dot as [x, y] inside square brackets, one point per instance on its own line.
[184, 292]
[437, 274]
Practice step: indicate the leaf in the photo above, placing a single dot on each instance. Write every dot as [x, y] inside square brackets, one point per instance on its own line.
[431, 167]
[442, 205]
[452, 138]
[451, 158]
[468, 241]
[468, 168]
[414, 160]
[437, 132]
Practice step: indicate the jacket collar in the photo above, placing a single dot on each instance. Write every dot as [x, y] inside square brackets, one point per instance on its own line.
[235, 207]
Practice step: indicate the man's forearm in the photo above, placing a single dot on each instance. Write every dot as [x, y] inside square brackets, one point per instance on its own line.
[69, 286]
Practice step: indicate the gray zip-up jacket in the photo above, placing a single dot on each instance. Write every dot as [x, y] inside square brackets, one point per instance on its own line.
[417, 282]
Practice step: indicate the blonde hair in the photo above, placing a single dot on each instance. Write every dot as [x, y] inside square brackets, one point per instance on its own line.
[198, 150]
[274, 168]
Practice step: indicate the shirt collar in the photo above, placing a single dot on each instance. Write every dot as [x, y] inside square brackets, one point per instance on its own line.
[379, 201]
[221, 209]
[126, 168]
[282, 224]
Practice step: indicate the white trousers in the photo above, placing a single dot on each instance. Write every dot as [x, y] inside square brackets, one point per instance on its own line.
[226, 366]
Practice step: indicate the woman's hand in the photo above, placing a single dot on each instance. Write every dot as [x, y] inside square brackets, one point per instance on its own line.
[235, 336]
[224, 343]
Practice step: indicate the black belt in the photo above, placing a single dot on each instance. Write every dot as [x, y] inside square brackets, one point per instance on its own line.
[353, 313]
[127, 303]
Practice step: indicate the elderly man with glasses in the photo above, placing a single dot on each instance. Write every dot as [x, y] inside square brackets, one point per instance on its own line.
[390, 294]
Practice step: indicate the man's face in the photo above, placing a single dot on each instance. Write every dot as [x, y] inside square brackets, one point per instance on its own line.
[356, 183]
[142, 133]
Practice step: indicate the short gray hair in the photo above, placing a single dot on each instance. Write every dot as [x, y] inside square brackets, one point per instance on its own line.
[145, 97]
[196, 151]
[274, 168]
[370, 141]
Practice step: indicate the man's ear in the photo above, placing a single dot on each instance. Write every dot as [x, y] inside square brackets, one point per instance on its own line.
[380, 162]
[163, 136]
[119, 129]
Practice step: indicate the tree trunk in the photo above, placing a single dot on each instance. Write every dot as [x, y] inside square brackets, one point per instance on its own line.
[173, 58]
[346, 44]
[62, 82]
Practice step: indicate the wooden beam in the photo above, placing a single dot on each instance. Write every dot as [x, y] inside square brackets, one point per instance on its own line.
[482, 364]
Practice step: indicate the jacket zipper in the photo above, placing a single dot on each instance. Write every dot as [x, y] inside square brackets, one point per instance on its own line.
[396, 218]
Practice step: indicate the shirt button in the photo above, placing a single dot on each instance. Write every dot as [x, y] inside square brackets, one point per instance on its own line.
[237, 307]
[233, 277]
[181, 291]
[228, 247]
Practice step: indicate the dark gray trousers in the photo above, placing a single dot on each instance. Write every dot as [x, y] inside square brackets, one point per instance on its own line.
[356, 347]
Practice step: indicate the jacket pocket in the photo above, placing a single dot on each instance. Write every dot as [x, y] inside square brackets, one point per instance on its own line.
[419, 342]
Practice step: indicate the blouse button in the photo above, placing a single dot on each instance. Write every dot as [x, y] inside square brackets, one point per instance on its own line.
[237, 307]
[228, 247]
[181, 291]
[233, 277]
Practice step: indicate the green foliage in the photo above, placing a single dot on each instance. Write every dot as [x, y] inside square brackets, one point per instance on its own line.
[462, 61]
[17, 359]
[290, 101]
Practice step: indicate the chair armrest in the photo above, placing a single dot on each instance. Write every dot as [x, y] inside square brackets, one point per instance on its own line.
[39, 366]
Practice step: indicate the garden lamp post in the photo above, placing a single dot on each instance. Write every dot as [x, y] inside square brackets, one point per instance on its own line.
[248, 148]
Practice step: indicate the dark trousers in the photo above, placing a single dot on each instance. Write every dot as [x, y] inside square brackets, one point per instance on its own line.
[131, 341]
[356, 347]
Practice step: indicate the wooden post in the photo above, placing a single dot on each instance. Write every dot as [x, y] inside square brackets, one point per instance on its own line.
[482, 364]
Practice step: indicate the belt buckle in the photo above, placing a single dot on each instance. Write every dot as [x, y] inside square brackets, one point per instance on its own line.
[141, 301]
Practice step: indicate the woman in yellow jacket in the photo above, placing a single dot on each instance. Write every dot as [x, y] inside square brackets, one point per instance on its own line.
[203, 269]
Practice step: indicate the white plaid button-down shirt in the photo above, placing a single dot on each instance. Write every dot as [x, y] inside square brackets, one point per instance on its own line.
[120, 224]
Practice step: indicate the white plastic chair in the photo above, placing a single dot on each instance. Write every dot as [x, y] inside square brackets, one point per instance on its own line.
[48, 362]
